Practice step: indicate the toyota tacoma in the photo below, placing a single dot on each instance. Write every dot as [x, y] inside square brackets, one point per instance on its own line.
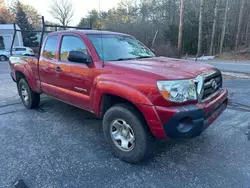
[139, 96]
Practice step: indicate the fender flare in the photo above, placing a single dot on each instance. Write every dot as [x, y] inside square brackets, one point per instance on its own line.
[28, 75]
[121, 90]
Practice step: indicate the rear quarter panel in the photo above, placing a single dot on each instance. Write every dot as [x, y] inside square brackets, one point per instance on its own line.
[27, 66]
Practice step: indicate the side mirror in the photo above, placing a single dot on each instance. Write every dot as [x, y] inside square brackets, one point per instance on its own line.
[79, 57]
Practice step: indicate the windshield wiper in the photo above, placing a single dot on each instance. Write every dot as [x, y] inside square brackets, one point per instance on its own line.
[124, 59]
[142, 57]
[139, 57]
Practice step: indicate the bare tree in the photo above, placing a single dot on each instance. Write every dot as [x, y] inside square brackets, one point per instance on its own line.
[200, 27]
[239, 24]
[214, 26]
[181, 28]
[224, 27]
[62, 11]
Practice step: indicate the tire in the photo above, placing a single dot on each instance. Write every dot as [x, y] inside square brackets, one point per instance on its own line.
[29, 98]
[137, 150]
[3, 58]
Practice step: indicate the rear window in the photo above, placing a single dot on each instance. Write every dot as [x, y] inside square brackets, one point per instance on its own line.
[50, 47]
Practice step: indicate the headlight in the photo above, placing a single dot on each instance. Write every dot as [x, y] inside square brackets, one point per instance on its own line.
[178, 90]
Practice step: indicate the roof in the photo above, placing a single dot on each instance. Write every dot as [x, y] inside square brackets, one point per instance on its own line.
[8, 26]
[92, 32]
[20, 47]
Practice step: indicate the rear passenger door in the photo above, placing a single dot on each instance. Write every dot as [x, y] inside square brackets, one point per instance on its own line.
[48, 67]
[75, 78]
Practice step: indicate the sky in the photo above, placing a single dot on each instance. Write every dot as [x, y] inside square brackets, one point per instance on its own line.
[81, 7]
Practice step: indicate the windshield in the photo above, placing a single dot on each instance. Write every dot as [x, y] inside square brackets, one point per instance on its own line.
[117, 47]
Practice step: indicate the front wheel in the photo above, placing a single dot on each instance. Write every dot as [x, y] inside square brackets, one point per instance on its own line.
[3, 58]
[29, 98]
[127, 133]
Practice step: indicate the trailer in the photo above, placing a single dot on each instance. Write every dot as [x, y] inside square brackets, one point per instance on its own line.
[7, 35]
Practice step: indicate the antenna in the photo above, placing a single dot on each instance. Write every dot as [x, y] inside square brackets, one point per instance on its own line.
[102, 51]
[101, 38]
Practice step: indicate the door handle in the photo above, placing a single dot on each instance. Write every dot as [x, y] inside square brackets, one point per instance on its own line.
[58, 69]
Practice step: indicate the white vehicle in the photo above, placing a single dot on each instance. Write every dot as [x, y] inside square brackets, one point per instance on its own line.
[16, 51]
[4, 55]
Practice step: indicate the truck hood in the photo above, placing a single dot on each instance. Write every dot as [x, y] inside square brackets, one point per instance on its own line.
[168, 68]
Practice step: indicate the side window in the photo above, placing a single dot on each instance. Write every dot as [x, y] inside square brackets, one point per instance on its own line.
[1, 43]
[70, 43]
[50, 47]
[20, 49]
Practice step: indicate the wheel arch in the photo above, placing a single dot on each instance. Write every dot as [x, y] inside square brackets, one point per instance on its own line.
[109, 100]
[24, 73]
[19, 76]
[108, 93]
[6, 57]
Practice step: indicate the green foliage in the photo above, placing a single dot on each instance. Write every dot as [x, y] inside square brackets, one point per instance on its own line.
[144, 19]
[29, 38]
[93, 20]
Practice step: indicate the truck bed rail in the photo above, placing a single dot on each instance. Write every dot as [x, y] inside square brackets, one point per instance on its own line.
[44, 26]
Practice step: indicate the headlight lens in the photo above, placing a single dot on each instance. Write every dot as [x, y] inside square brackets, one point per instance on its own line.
[178, 90]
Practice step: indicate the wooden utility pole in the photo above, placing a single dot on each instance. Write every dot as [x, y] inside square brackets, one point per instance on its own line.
[200, 28]
[239, 25]
[224, 27]
[181, 28]
[214, 27]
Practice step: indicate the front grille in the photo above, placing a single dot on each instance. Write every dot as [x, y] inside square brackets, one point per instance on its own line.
[212, 83]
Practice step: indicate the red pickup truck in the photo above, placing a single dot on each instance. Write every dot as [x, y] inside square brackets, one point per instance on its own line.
[139, 96]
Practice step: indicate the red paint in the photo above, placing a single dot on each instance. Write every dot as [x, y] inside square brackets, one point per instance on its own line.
[134, 80]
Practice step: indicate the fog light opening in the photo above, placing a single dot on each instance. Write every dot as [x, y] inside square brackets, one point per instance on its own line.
[185, 125]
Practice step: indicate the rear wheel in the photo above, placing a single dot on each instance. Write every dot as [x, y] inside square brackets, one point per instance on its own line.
[127, 133]
[3, 58]
[29, 98]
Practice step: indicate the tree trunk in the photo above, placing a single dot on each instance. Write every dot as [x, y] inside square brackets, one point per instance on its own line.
[247, 30]
[214, 27]
[239, 24]
[181, 28]
[224, 27]
[200, 28]
[247, 33]
[174, 10]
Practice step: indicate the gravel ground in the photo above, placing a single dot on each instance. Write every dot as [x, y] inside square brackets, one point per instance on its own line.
[62, 146]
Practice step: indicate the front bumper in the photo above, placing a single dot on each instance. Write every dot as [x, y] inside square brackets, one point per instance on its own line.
[184, 121]
[191, 120]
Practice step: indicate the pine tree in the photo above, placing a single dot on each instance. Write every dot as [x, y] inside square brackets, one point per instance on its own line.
[83, 22]
[29, 38]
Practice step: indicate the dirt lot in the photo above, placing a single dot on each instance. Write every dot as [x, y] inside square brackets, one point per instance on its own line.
[63, 146]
